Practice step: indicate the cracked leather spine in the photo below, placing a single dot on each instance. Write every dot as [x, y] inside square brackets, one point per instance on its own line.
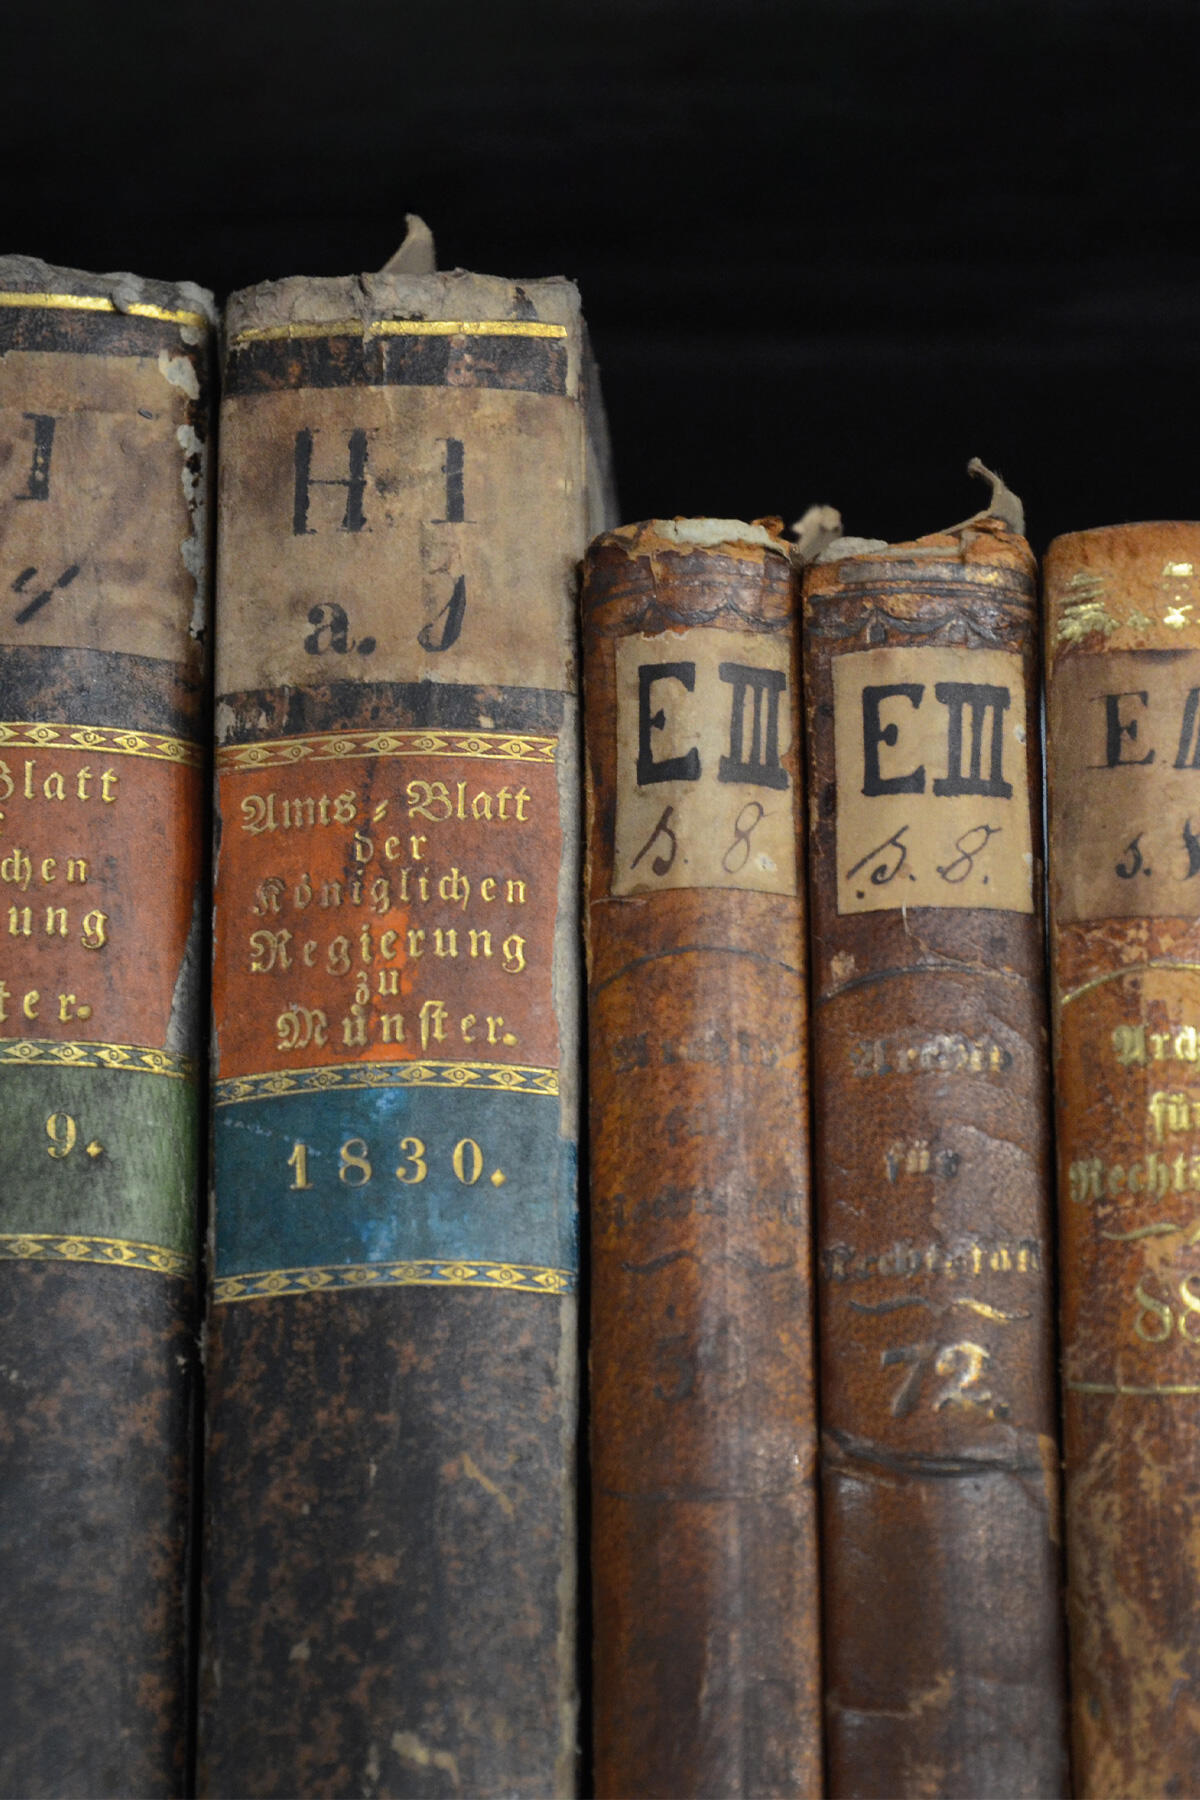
[706, 1642]
[392, 1381]
[939, 1461]
[1123, 682]
[104, 428]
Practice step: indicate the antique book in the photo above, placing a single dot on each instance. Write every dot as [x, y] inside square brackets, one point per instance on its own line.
[706, 1671]
[939, 1457]
[410, 464]
[103, 428]
[1123, 687]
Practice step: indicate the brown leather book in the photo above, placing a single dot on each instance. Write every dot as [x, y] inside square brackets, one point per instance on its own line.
[392, 1374]
[1123, 760]
[104, 433]
[706, 1658]
[939, 1457]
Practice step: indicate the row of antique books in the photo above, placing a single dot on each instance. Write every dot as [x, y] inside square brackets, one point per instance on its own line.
[307, 1513]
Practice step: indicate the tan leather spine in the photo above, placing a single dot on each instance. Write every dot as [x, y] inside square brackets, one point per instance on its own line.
[706, 1671]
[1123, 662]
[939, 1460]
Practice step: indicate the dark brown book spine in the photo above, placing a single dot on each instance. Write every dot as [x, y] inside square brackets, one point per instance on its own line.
[104, 411]
[1123, 686]
[391, 1545]
[706, 1675]
[938, 1443]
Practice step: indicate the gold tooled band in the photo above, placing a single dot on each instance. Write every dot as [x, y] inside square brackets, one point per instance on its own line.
[133, 1059]
[477, 1077]
[430, 1272]
[113, 1253]
[103, 740]
[330, 746]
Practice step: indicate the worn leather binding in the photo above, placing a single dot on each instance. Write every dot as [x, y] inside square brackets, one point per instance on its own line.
[390, 1574]
[103, 723]
[706, 1664]
[938, 1450]
[1123, 678]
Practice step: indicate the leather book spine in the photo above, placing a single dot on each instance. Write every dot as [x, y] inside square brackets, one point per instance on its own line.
[1123, 686]
[103, 726]
[390, 1572]
[706, 1640]
[940, 1542]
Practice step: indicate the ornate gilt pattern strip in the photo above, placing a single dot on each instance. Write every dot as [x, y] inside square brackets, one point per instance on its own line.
[134, 1059]
[512, 1277]
[500, 1078]
[22, 734]
[330, 746]
[38, 1246]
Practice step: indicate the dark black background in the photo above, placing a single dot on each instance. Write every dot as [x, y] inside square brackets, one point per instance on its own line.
[828, 251]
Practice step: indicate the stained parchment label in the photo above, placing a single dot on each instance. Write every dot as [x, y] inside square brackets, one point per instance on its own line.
[704, 781]
[933, 806]
[1126, 804]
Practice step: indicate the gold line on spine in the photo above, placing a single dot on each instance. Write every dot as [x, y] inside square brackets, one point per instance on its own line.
[1186, 968]
[501, 1078]
[100, 303]
[1123, 1387]
[113, 1253]
[431, 1272]
[529, 328]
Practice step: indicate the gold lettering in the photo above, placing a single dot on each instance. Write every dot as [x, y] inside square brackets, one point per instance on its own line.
[94, 930]
[428, 800]
[17, 869]
[62, 1131]
[433, 1022]
[513, 952]
[354, 1163]
[301, 1026]
[1129, 1045]
[269, 950]
[354, 1026]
